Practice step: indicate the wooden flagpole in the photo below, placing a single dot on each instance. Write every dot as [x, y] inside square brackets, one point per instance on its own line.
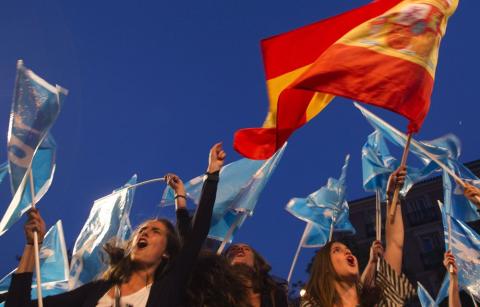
[393, 206]
[308, 227]
[378, 220]
[378, 216]
[36, 246]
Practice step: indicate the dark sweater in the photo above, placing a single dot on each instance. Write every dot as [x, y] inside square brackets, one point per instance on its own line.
[167, 291]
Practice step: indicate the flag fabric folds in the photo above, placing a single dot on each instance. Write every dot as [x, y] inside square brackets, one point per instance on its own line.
[378, 164]
[36, 105]
[241, 183]
[465, 246]
[3, 170]
[424, 297]
[323, 208]
[108, 219]
[53, 261]
[457, 205]
[446, 149]
[384, 53]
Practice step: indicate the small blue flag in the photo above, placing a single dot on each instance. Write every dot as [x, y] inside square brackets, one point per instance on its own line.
[465, 246]
[378, 164]
[241, 183]
[108, 219]
[446, 149]
[53, 260]
[425, 299]
[322, 208]
[36, 105]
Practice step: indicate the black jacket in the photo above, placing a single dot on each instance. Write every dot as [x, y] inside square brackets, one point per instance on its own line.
[167, 291]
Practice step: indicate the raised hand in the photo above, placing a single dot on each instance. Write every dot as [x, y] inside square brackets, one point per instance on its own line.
[449, 260]
[472, 193]
[396, 179]
[376, 251]
[175, 183]
[34, 223]
[216, 158]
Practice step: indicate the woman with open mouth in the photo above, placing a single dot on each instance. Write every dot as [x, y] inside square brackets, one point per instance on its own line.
[254, 270]
[335, 280]
[152, 269]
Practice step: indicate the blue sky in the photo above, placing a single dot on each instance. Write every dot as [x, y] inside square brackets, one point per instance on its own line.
[154, 83]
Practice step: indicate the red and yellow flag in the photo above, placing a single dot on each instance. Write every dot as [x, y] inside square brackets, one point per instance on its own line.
[384, 53]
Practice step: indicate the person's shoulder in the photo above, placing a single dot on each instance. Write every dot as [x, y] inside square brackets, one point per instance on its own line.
[307, 303]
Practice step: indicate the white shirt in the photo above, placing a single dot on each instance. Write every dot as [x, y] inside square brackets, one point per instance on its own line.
[136, 299]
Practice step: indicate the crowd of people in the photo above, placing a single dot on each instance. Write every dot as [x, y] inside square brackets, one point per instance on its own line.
[164, 264]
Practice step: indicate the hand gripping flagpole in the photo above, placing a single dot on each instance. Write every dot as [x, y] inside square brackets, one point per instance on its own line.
[449, 221]
[393, 207]
[308, 227]
[36, 246]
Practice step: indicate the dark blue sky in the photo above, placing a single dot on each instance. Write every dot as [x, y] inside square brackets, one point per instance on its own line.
[154, 83]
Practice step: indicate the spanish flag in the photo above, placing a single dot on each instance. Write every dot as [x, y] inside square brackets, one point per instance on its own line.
[384, 53]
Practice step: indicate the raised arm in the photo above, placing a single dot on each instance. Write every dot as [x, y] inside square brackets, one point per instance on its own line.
[184, 225]
[453, 291]
[394, 229]
[368, 275]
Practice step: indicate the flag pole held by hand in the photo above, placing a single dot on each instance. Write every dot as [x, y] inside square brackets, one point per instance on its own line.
[36, 246]
[393, 206]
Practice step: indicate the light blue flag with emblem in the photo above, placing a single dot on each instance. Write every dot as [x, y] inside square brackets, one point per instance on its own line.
[378, 164]
[36, 105]
[53, 261]
[240, 185]
[446, 149]
[465, 246]
[424, 297]
[322, 208]
[108, 219]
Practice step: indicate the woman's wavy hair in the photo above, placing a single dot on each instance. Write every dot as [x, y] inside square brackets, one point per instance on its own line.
[121, 265]
[214, 283]
[320, 289]
[261, 281]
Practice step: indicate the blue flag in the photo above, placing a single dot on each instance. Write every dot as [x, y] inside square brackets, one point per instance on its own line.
[425, 299]
[3, 171]
[465, 246]
[53, 260]
[322, 208]
[456, 204]
[446, 149]
[378, 164]
[241, 183]
[36, 105]
[108, 219]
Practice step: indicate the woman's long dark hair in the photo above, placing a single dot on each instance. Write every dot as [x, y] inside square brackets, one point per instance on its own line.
[214, 283]
[121, 265]
[320, 288]
[261, 281]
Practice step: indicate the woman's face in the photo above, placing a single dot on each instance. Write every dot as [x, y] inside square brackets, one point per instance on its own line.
[344, 263]
[241, 254]
[149, 243]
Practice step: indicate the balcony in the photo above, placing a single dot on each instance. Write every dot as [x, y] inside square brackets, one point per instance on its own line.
[419, 217]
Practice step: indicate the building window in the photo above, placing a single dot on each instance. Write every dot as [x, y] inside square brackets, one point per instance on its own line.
[432, 246]
[421, 211]
[369, 218]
